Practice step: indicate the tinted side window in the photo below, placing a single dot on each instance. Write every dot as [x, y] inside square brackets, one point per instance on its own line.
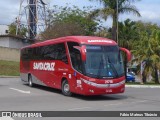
[61, 53]
[30, 54]
[22, 54]
[49, 52]
[36, 53]
[54, 52]
[75, 56]
[25, 54]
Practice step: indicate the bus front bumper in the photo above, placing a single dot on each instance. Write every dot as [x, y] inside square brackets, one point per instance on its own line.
[91, 88]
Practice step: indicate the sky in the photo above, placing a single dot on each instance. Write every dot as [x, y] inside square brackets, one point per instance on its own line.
[149, 10]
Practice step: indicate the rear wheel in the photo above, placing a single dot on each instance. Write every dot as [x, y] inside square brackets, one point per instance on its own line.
[66, 88]
[30, 83]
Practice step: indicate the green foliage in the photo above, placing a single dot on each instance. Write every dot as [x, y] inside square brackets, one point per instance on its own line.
[127, 33]
[110, 10]
[9, 68]
[12, 29]
[143, 39]
[146, 27]
[131, 33]
[65, 21]
[21, 32]
[103, 32]
[147, 49]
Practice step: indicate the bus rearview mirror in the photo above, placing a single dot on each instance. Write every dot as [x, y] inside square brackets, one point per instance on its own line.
[83, 52]
[127, 52]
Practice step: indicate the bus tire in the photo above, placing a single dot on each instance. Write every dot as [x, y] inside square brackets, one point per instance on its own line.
[30, 82]
[66, 88]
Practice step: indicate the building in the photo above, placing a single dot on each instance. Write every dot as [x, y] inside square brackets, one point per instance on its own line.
[10, 41]
[10, 47]
[4, 29]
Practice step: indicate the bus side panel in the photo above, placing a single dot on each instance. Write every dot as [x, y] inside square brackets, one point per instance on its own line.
[42, 73]
[76, 85]
[24, 70]
[49, 73]
[61, 71]
[37, 81]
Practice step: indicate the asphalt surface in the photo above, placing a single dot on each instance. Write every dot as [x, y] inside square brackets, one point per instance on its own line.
[16, 96]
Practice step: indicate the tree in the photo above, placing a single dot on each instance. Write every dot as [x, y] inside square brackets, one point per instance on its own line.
[127, 33]
[12, 30]
[148, 50]
[103, 32]
[110, 9]
[65, 21]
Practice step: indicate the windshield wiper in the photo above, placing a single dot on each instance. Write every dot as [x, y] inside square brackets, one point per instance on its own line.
[99, 68]
[112, 66]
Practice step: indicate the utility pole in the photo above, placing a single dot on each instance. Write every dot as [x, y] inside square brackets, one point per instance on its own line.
[117, 22]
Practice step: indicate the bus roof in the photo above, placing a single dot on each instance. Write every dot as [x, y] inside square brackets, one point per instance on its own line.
[92, 40]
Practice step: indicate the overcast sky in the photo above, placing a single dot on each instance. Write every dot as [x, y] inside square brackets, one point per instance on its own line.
[149, 10]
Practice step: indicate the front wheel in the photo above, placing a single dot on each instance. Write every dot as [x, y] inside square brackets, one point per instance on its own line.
[66, 88]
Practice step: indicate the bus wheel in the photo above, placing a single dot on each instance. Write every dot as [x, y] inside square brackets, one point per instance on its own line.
[66, 88]
[30, 83]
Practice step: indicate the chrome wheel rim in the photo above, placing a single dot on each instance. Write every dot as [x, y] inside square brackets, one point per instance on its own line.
[66, 88]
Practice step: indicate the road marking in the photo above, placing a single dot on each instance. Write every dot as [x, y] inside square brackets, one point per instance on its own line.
[138, 101]
[6, 118]
[27, 92]
[113, 104]
[79, 108]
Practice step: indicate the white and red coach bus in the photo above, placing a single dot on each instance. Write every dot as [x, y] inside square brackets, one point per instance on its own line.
[75, 64]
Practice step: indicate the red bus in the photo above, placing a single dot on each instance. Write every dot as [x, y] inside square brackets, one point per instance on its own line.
[75, 64]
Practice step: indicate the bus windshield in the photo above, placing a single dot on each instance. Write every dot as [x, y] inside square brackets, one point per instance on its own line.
[103, 62]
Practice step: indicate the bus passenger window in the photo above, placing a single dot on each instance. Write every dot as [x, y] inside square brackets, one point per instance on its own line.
[62, 53]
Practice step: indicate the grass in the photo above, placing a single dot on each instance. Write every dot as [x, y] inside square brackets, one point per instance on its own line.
[9, 68]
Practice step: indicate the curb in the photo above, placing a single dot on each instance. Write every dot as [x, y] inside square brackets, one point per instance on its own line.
[9, 76]
[143, 86]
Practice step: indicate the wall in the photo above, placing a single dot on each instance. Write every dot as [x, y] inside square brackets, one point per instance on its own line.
[4, 41]
[10, 48]
[16, 43]
[9, 54]
[12, 42]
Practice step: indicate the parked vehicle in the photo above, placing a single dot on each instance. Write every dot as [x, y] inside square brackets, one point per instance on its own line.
[130, 77]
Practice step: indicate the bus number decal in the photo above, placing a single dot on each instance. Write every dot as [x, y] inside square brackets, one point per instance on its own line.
[108, 81]
[44, 66]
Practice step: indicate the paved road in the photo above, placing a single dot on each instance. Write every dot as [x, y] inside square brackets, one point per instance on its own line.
[15, 96]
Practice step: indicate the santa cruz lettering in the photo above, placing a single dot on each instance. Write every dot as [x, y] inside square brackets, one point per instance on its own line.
[44, 66]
